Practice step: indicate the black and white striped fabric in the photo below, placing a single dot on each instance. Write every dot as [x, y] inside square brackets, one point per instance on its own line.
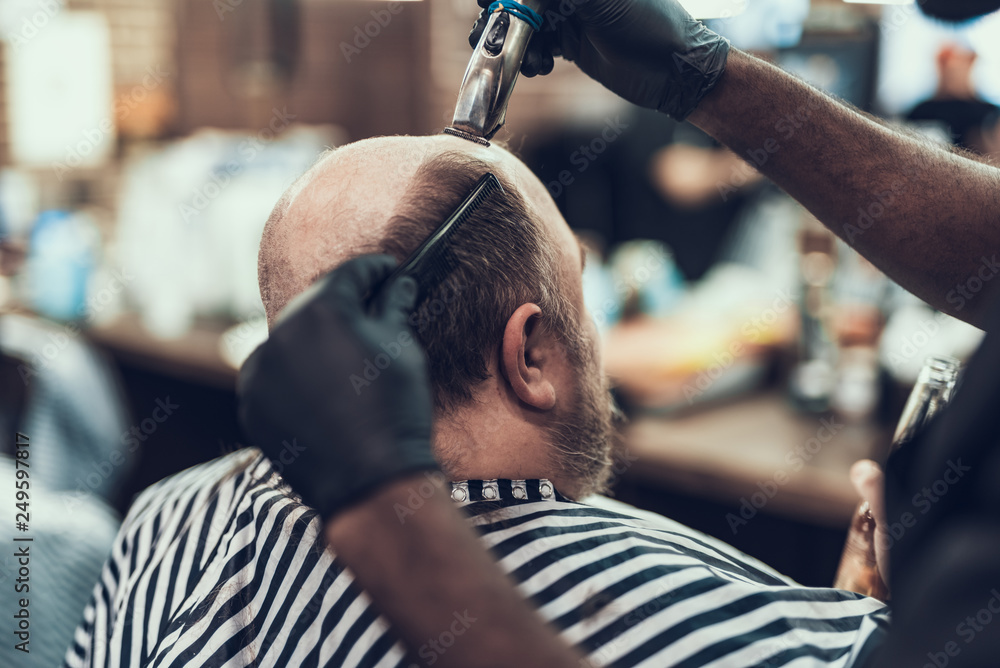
[221, 565]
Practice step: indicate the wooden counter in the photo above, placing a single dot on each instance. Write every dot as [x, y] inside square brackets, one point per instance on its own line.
[194, 357]
[757, 449]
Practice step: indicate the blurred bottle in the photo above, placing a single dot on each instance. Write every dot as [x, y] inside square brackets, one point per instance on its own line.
[599, 295]
[647, 279]
[856, 394]
[932, 392]
[814, 377]
[61, 256]
[859, 293]
[858, 570]
[661, 284]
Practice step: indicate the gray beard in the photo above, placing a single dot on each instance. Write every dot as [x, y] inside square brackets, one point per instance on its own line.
[586, 438]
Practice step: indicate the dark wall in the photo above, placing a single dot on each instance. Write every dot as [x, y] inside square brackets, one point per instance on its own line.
[202, 427]
[311, 57]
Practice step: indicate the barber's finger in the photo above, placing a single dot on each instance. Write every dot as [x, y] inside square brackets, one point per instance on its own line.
[249, 385]
[477, 28]
[348, 286]
[534, 62]
[396, 301]
[548, 62]
[869, 482]
[351, 283]
[248, 369]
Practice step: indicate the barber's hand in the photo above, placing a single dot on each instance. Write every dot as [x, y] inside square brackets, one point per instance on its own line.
[338, 397]
[650, 52]
[869, 482]
[865, 560]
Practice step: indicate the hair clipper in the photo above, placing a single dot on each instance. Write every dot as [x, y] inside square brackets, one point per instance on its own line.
[493, 69]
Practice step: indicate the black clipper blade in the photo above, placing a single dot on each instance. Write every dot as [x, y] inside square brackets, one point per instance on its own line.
[465, 135]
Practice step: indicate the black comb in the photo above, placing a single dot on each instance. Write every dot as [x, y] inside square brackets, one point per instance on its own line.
[433, 260]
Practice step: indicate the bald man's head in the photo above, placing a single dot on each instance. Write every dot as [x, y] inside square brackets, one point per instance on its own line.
[386, 195]
[507, 339]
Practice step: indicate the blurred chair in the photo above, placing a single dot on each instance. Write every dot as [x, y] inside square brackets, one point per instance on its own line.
[65, 399]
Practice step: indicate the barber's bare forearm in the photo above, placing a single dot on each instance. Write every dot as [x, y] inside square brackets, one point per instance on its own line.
[431, 577]
[927, 216]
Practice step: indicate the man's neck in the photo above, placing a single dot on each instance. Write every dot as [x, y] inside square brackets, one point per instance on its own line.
[488, 440]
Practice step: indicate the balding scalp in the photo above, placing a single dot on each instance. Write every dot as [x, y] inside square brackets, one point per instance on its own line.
[349, 206]
[339, 207]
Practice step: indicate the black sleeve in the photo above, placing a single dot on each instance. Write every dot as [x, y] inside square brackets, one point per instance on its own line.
[943, 511]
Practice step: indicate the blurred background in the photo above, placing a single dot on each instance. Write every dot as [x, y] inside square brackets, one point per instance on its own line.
[144, 142]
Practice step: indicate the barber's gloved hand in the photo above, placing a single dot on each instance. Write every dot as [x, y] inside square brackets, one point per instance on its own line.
[650, 52]
[310, 397]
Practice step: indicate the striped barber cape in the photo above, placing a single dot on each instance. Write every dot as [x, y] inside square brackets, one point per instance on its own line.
[221, 565]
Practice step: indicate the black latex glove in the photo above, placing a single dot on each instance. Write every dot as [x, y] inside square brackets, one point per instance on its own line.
[650, 52]
[338, 397]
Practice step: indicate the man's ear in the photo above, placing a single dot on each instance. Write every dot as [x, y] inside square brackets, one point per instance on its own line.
[526, 359]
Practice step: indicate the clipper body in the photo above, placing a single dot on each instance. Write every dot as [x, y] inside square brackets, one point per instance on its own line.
[491, 74]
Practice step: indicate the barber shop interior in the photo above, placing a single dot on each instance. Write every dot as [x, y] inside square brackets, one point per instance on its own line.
[649, 332]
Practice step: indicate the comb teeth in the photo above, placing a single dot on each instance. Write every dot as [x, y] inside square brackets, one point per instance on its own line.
[435, 268]
[451, 130]
[433, 260]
